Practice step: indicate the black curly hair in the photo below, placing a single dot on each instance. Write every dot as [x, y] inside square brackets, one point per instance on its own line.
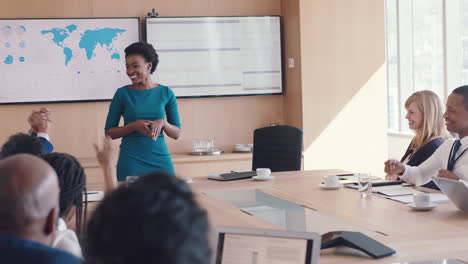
[22, 143]
[146, 50]
[153, 220]
[463, 91]
[72, 182]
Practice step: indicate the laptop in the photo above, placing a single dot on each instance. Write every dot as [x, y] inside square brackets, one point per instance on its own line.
[262, 246]
[456, 191]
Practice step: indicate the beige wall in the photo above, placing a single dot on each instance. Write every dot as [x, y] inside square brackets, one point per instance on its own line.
[343, 84]
[77, 125]
[397, 145]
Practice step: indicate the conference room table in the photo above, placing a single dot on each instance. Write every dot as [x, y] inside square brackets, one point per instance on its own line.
[415, 236]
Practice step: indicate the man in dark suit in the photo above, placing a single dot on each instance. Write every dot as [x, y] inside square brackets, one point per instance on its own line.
[29, 205]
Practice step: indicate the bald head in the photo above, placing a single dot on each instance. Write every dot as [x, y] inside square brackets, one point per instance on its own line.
[29, 194]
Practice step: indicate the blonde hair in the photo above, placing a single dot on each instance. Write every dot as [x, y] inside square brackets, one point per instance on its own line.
[432, 114]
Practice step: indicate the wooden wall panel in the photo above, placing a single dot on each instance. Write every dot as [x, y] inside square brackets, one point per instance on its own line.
[77, 125]
[292, 49]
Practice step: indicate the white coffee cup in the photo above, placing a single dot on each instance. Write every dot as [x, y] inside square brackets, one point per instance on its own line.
[263, 172]
[421, 199]
[331, 180]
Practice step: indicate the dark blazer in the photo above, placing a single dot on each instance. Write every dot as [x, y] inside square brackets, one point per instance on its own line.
[423, 154]
[48, 147]
[16, 250]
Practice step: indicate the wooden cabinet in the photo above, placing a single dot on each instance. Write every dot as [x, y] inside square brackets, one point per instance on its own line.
[186, 166]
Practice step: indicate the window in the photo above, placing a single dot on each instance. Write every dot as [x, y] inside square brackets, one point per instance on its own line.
[427, 49]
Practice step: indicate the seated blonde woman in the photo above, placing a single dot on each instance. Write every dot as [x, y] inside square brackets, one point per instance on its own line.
[425, 118]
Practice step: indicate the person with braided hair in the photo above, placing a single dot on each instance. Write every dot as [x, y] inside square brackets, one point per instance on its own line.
[155, 219]
[72, 182]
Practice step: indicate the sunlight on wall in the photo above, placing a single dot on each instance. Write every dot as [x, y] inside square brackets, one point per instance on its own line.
[356, 138]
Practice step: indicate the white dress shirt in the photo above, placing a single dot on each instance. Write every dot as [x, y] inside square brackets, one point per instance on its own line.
[66, 239]
[422, 174]
[43, 135]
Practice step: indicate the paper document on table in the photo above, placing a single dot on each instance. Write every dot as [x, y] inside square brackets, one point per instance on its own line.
[435, 198]
[388, 188]
[94, 196]
[399, 192]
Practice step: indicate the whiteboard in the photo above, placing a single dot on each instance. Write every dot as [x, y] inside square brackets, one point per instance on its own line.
[50, 60]
[217, 56]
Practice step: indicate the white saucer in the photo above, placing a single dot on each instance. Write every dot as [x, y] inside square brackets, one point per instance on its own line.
[263, 178]
[422, 208]
[324, 187]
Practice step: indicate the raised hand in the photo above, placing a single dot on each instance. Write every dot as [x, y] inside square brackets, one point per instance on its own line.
[40, 120]
[107, 154]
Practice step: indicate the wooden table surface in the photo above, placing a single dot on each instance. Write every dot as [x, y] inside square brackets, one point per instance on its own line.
[416, 236]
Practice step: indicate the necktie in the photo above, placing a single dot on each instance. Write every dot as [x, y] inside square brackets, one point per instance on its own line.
[452, 158]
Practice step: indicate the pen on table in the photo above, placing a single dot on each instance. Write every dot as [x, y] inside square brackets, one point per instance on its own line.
[346, 174]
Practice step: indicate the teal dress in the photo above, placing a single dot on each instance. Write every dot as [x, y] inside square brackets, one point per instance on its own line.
[140, 154]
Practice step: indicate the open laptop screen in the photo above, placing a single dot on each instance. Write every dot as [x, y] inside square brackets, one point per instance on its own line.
[258, 249]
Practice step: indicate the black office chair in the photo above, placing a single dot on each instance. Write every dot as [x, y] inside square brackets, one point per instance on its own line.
[278, 148]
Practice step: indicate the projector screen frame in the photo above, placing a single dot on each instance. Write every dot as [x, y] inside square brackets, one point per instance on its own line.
[233, 95]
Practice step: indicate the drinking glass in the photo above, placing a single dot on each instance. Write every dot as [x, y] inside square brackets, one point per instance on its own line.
[365, 184]
[197, 145]
[209, 145]
[130, 179]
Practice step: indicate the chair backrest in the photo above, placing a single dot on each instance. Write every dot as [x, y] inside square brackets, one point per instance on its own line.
[278, 148]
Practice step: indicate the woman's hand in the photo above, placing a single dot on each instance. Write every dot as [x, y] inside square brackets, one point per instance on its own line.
[156, 127]
[142, 127]
[448, 175]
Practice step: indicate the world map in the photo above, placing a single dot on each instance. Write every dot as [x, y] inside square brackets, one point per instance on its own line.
[88, 41]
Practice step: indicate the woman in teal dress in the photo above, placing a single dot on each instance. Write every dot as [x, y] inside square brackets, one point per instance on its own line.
[148, 109]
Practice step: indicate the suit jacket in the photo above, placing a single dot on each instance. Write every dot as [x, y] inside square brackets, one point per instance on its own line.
[48, 147]
[14, 250]
[423, 154]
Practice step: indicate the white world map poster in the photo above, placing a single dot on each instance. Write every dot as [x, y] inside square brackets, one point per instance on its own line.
[46, 60]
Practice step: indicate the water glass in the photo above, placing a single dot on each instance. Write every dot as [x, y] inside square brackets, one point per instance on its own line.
[197, 145]
[130, 179]
[364, 184]
[209, 144]
[201, 145]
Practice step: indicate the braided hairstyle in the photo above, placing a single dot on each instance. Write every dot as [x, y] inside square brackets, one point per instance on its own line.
[72, 182]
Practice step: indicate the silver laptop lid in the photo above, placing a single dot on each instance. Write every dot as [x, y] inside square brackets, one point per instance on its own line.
[262, 246]
[456, 191]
